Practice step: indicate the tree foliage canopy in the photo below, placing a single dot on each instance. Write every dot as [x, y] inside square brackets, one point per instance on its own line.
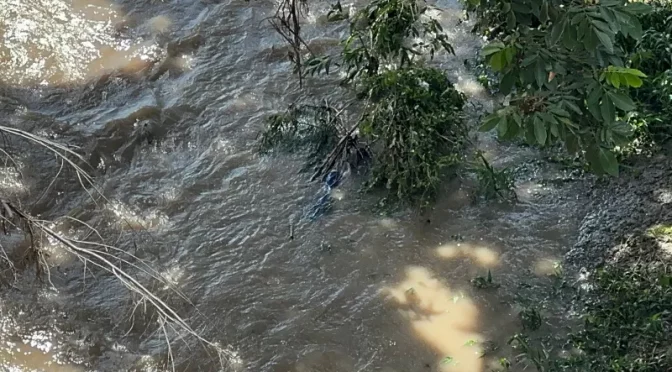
[411, 124]
[568, 69]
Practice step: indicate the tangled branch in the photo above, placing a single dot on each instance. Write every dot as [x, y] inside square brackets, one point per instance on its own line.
[286, 23]
[108, 258]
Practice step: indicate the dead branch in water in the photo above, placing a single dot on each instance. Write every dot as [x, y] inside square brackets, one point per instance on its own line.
[98, 255]
[342, 147]
[61, 151]
[338, 152]
[105, 257]
[286, 23]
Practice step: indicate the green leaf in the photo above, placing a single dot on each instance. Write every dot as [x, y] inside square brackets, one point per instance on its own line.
[578, 18]
[511, 20]
[559, 111]
[611, 2]
[512, 128]
[594, 110]
[529, 132]
[622, 129]
[665, 280]
[447, 360]
[572, 106]
[557, 31]
[554, 130]
[593, 157]
[502, 127]
[572, 143]
[489, 123]
[540, 73]
[607, 110]
[599, 56]
[622, 78]
[602, 26]
[582, 30]
[568, 123]
[605, 39]
[521, 8]
[608, 161]
[591, 41]
[635, 29]
[507, 83]
[493, 48]
[569, 38]
[608, 15]
[622, 101]
[543, 15]
[595, 93]
[517, 118]
[633, 81]
[540, 130]
[615, 60]
[614, 79]
[509, 54]
[634, 71]
[498, 61]
[547, 117]
[593, 102]
[637, 8]
[529, 60]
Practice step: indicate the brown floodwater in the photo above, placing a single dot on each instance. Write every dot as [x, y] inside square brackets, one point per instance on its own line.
[355, 290]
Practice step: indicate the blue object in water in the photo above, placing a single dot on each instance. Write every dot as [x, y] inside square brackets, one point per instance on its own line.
[332, 179]
[323, 205]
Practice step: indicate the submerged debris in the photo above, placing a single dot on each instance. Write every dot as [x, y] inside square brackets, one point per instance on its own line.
[324, 203]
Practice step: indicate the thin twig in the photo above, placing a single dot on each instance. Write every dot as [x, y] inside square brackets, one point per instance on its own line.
[286, 23]
[51, 184]
[102, 260]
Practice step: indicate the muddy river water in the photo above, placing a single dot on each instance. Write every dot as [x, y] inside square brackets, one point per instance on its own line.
[353, 291]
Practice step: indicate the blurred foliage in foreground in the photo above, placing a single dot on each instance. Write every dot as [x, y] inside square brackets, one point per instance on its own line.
[591, 75]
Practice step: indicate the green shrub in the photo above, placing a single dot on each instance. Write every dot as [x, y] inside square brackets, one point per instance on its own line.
[653, 55]
[415, 121]
[386, 34]
[567, 72]
[411, 120]
[627, 323]
[315, 129]
[627, 327]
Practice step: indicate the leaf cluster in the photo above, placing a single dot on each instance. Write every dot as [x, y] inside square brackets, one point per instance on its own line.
[568, 73]
[412, 118]
[626, 326]
[653, 55]
[494, 183]
[416, 124]
[385, 34]
[312, 128]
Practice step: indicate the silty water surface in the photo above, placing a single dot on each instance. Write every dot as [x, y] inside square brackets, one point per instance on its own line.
[353, 291]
